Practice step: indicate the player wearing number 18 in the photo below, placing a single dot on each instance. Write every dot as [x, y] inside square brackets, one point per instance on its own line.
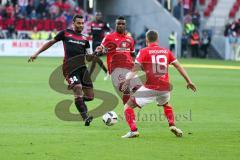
[154, 61]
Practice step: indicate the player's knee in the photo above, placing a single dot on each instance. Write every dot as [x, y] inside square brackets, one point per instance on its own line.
[165, 105]
[77, 87]
[89, 97]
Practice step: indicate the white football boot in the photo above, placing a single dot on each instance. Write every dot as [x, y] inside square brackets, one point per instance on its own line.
[107, 76]
[131, 134]
[176, 131]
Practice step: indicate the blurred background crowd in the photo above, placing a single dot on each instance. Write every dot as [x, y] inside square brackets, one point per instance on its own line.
[42, 19]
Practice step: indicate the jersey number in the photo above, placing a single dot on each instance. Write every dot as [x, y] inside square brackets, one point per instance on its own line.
[159, 64]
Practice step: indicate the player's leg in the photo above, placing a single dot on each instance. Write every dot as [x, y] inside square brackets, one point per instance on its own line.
[79, 103]
[163, 100]
[88, 96]
[130, 119]
[168, 111]
[118, 76]
[87, 88]
[140, 98]
[93, 65]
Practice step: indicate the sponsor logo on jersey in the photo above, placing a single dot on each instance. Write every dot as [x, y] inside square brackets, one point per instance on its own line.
[76, 42]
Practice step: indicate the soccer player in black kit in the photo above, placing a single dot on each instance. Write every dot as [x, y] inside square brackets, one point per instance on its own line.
[76, 48]
[98, 29]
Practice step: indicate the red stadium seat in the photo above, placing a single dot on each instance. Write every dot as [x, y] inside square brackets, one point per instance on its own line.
[232, 13]
[210, 7]
[236, 5]
[207, 12]
[202, 2]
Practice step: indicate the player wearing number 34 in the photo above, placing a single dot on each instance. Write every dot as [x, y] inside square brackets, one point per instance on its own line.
[154, 61]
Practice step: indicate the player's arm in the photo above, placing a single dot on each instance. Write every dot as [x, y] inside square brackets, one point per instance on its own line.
[89, 53]
[102, 49]
[43, 48]
[182, 71]
[58, 37]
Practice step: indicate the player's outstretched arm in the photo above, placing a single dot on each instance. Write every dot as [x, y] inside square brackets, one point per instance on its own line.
[182, 71]
[43, 48]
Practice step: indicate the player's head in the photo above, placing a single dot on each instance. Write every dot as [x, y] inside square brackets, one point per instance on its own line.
[151, 36]
[121, 25]
[78, 23]
[98, 16]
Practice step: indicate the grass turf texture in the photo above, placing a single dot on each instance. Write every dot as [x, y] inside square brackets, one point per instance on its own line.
[29, 128]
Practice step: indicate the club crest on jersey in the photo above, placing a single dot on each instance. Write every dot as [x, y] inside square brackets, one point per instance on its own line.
[124, 44]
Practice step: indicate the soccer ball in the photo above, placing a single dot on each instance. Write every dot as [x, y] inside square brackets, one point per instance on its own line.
[110, 118]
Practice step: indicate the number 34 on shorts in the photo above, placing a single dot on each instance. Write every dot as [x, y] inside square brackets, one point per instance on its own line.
[73, 79]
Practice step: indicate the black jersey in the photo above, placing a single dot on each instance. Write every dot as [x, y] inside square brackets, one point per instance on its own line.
[98, 30]
[76, 46]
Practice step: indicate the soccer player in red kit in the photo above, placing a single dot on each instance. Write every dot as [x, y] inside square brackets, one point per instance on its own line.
[154, 61]
[119, 48]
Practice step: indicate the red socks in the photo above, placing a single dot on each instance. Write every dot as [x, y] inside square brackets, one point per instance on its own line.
[130, 118]
[169, 114]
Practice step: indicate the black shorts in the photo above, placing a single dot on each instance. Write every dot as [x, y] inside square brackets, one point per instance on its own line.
[79, 76]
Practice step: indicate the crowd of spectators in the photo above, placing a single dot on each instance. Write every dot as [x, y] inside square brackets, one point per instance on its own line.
[39, 9]
[36, 10]
[194, 42]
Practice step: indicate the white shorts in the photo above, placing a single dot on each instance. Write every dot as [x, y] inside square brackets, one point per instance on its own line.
[119, 75]
[145, 96]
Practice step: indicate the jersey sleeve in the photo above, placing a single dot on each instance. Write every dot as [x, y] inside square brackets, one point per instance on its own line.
[171, 58]
[105, 41]
[88, 48]
[59, 36]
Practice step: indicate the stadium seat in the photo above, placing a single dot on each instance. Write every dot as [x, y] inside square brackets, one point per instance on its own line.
[207, 12]
[202, 2]
[232, 13]
[210, 7]
[234, 9]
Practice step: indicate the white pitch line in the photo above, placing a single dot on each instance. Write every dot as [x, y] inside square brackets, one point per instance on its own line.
[211, 66]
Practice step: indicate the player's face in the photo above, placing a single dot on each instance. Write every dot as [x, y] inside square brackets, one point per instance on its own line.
[120, 26]
[78, 24]
[98, 16]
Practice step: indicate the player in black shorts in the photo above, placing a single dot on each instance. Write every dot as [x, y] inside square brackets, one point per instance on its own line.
[98, 29]
[76, 48]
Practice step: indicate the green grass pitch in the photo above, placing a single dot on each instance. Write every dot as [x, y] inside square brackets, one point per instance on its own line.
[29, 128]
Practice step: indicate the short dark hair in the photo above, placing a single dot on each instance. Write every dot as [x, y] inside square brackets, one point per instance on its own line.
[152, 35]
[120, 18]
[77, 16]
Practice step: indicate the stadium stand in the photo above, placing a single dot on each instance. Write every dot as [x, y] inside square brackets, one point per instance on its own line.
[18, 18]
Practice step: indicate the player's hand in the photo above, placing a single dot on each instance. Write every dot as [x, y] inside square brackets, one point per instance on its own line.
[99, 49]
[191, 86]
[32, 58]
[124, 85]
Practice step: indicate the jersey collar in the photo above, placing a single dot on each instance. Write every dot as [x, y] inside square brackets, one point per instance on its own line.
[120, 34]
[153, 44]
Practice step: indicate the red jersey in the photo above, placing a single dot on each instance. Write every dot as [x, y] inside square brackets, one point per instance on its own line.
[119, 49]
[155, 61]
